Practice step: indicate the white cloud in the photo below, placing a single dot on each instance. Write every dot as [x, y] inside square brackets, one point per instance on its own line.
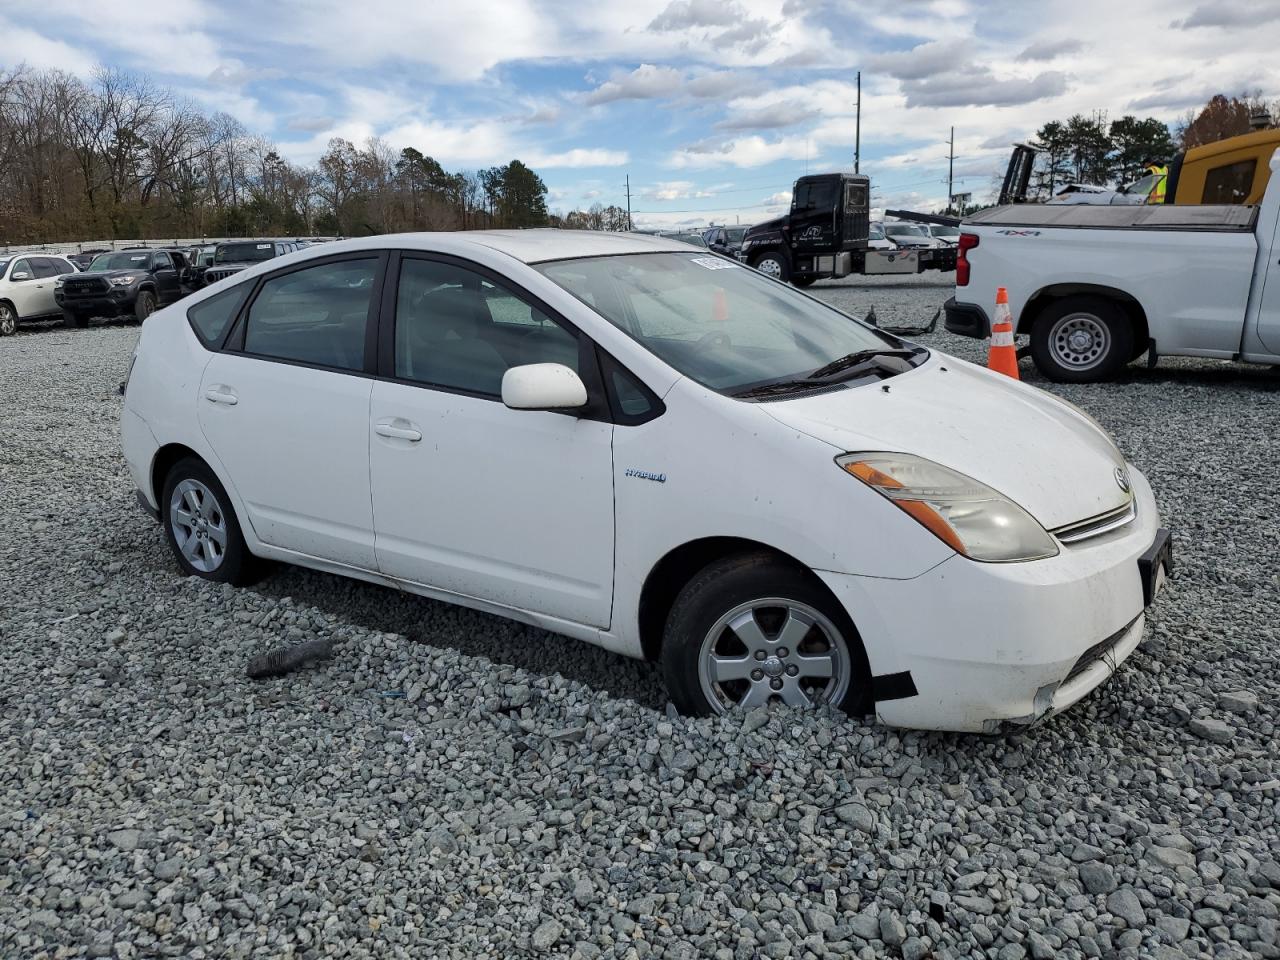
[23, 45]
[751, 151]
[1051, 49]
[577, 157]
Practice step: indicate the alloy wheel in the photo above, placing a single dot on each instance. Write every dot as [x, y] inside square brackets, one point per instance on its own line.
[199, 525]
[770, 649]
[8, 321]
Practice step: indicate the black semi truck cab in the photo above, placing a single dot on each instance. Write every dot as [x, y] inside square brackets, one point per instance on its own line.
[824, 235]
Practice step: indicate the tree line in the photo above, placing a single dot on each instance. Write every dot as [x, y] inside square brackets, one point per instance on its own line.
[1094, 150]
[119, 156]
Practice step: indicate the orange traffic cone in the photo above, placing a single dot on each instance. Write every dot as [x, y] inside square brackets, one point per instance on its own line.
[1002, 356]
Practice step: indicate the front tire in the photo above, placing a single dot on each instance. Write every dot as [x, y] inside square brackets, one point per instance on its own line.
[201, 526]
[773, 265]
[145, 306]
[8, 320]
[1082, 340]
[751, 629]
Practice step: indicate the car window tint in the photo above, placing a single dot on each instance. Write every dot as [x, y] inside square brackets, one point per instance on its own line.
[212, 317]
[456, 329]
[630, 397]
[43, 267]
[316, 315]
[22, 266]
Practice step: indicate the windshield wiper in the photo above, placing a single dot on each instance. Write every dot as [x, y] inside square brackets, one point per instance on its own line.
[857, 358]
[781, 386]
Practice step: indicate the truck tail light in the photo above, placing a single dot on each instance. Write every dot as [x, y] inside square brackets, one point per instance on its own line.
[967, 242]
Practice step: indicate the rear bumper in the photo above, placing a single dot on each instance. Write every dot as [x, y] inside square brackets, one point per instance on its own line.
[992, 645]
[966, 319]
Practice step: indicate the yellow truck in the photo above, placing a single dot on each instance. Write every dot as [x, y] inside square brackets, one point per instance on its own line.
[1229, 171]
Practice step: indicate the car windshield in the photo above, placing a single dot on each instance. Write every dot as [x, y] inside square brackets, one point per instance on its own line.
[125, 260]
[905, 230]
[1142, 187]
[736, 234]
[250, 252]
[948, 232]
[875, 232]
[718, 322]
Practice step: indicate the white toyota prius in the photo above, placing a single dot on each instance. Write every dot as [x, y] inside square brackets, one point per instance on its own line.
[657, 450]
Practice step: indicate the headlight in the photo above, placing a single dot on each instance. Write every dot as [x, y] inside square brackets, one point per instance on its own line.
[57, 284]
[968, 516]
[123, 281]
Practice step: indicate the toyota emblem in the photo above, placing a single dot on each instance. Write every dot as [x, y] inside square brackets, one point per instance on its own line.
[1122, 479]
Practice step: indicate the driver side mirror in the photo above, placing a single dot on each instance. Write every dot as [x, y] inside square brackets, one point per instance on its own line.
[20, 275]
[543, 386]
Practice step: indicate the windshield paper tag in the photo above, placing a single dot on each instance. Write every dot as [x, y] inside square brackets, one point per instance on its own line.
[714, 263]
[264, 246]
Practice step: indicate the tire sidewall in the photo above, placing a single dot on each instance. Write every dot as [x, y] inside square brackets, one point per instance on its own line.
[236, 566]
[1119, 329]
[724, 585]
[8, 320]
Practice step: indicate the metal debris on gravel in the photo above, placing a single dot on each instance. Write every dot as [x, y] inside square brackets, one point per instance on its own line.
[453, 785]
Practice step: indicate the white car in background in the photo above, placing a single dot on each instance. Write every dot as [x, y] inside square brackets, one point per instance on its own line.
[27, 287]
[656, 450]
[948, 235]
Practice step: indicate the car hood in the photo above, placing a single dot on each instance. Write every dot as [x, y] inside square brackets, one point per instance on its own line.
[108, 274]
[1016, 439]
[768, 226]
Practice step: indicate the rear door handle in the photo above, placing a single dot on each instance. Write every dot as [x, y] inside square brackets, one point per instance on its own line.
[221, 395]
[397, 430]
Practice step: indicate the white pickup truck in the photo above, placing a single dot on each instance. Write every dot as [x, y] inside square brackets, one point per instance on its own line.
[1095, 287]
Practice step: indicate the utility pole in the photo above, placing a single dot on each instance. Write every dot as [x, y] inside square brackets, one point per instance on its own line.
[951, 165]
[629, 227]
[857, 129]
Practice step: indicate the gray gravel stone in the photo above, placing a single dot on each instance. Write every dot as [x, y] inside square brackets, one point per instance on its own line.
[1124, 904]
[1097, 877]
[1211, 729]
[1239, 701]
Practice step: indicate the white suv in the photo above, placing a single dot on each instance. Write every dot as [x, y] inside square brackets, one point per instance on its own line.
[27, 287]
[656, 450]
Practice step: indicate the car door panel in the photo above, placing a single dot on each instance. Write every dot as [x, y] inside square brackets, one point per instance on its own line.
[27, 295]
[286, 410]
[510, 506]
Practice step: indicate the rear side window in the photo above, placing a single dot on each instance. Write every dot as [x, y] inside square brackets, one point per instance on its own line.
[43, 267]
[1229, 184]
[211, 318]
[317, 315]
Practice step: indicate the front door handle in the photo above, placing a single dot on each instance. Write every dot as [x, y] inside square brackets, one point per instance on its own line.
[397, 430]
[221, 395]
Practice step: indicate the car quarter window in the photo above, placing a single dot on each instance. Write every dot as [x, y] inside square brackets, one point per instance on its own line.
[455, 328]
[212, 317]
[315, 315]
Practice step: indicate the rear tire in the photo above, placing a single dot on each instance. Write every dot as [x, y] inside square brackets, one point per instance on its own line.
[201, 526]
[8, 320]
[801, 635]
[1082, 340]
[773, 265]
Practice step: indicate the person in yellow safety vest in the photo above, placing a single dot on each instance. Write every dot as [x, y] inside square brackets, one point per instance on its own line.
[1161, 172]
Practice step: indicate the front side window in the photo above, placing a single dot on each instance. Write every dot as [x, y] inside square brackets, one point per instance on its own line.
[819, 195]
[43, 267]
[1229, 184]
[715, 321]
[317, 315]
[22, 266]
[160, 262]
[459, 330]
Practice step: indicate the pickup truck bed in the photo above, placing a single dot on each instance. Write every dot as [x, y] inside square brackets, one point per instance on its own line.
[1095, 287]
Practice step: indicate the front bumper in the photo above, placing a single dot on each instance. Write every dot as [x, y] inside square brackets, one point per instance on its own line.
[117, 303]
[966, 319]
[988, 645]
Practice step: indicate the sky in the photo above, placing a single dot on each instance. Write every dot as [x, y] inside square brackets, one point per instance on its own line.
[712, 108]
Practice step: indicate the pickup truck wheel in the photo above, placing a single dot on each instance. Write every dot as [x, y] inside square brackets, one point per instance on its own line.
[773, 265]
[145, 306]
[8, 320]
[751, 629]
[1081, 340]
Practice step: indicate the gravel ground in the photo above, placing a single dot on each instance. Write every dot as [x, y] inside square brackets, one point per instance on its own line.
[454, 785]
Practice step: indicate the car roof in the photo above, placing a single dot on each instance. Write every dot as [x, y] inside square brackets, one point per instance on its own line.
[540, 245]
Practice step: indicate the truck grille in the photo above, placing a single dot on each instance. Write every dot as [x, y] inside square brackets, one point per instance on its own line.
[85, 286]
[214, 274]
